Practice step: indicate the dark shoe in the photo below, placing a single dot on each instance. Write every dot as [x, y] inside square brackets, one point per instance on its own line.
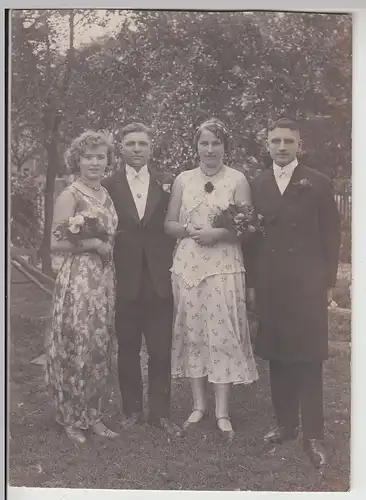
[316, 453]
[228, 435]
[280, 434]
[167, 426]
[188, 423]
[131, 420]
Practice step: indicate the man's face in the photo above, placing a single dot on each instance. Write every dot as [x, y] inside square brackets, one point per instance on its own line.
[136, 149]
[283, 144]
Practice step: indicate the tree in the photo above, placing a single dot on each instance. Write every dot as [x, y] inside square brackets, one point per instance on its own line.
[41, 91]
[172, 70]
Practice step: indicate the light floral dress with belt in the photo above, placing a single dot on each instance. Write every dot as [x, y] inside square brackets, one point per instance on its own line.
[79, 343]
[211, 333]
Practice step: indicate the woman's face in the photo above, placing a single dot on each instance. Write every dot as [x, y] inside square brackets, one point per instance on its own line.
[93, 163]
[211, 149]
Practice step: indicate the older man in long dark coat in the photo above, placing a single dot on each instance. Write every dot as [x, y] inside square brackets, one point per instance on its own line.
[295, 269]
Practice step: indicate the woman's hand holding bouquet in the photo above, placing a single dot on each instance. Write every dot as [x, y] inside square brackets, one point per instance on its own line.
[239, 219]
[86, 226]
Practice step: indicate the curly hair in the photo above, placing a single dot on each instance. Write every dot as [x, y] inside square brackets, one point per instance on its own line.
[88, 139]
[215, 126]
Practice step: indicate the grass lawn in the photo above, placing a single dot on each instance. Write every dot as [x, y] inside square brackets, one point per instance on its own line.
[41, 456]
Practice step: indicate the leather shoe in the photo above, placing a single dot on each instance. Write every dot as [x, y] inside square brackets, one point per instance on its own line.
[280, 434]
[229, 436]
[75, 435]
[130, 421]
[100, 429]
[316, 453]
[166, 426]
[188, 423]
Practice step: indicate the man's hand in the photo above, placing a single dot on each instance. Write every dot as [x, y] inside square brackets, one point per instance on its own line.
[251, 298]
[330, 295]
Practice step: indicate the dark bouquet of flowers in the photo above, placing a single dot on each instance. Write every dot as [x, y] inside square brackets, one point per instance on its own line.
[239, 219]
[82, 226]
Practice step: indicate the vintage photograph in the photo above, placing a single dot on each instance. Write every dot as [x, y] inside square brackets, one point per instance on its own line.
[180, 250]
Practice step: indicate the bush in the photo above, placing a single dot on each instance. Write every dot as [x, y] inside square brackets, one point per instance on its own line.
[25, 213]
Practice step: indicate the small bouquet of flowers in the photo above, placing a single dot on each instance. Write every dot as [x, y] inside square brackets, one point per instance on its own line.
[82, 226]
[239, 219]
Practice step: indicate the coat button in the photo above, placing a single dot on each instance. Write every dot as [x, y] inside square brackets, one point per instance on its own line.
[290, 250]
[273, 250]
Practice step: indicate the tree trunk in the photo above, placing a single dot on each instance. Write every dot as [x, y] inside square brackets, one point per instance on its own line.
[52, 161]
[52, 120]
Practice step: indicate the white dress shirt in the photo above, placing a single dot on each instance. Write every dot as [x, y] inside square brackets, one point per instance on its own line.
[283, 174]
[139, 185]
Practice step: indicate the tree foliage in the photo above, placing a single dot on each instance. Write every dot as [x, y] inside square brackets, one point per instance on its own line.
[172, 70]
[25, 213]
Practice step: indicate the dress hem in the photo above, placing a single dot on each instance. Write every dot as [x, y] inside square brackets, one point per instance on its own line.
[237, 382]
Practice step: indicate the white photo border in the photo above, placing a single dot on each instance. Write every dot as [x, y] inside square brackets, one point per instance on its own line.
[358, 440]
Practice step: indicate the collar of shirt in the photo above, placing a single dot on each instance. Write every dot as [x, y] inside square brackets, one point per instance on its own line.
[142, 175]
[286, 171]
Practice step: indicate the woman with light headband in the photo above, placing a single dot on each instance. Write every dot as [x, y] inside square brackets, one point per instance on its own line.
[211, 340]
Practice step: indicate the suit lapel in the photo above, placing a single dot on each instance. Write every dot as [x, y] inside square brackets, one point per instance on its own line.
[270, 195]
[124, 200]
[153, 198]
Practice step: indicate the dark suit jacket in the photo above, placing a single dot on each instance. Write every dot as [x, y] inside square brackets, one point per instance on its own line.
[138, 241]
[292, 266]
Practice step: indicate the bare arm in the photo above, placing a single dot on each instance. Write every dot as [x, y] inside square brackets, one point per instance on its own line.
[172, 225]
[242, 192]
[64, 209]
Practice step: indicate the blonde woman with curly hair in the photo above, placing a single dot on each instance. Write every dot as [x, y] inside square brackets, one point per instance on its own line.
[78, 345]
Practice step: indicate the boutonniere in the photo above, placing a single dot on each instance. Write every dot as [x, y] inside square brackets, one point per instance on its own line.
[303, 183]
[165, 186]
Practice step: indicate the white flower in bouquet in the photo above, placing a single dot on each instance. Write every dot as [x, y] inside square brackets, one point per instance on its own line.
[239, 217]
[74, 229]
[91, 214]
[78, 220]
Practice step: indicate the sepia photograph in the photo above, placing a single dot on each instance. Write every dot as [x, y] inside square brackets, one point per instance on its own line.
[180, 251]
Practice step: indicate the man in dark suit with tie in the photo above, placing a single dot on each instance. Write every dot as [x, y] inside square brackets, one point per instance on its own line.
[294, 267]
[143, 257]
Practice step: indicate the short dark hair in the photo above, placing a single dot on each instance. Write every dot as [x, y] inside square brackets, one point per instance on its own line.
[137, 127]
[284, 122]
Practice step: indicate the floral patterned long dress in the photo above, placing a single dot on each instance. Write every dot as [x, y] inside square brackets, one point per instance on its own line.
[210, 333]
[78, 345]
